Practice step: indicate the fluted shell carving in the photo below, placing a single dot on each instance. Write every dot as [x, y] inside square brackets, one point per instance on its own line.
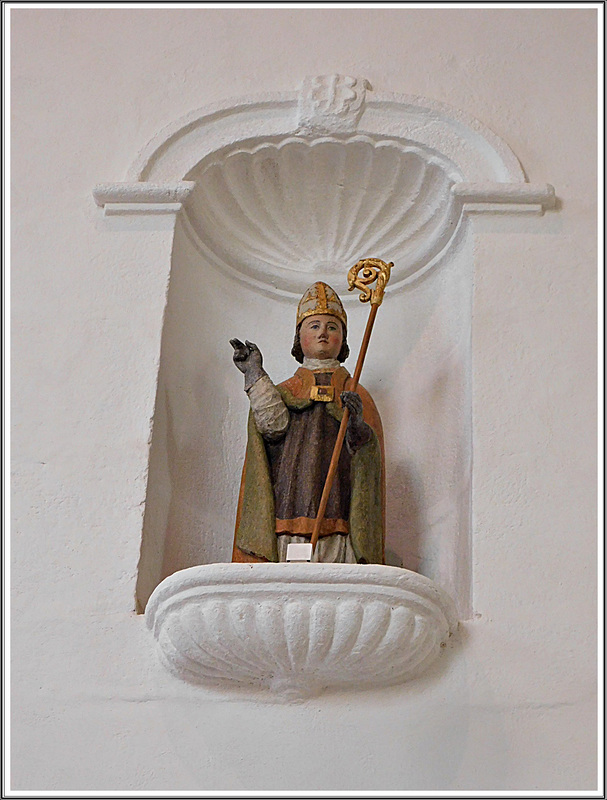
[295, 629]
[280, 214]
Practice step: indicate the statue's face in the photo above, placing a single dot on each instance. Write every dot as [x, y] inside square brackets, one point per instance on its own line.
[321, 336]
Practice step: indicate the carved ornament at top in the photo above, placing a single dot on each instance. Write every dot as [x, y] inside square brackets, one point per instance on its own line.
[332, 103]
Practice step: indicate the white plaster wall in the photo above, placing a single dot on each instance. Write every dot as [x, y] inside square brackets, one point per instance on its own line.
[512, 703]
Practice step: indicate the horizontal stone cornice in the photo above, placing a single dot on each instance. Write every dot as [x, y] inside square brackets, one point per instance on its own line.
[505, 197]
[141, 197]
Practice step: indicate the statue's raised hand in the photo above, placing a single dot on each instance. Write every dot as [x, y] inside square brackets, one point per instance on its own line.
[249, 360]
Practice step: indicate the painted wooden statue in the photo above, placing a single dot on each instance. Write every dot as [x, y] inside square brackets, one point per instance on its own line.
[292, 434]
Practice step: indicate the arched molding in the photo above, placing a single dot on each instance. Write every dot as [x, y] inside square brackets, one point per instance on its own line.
[280, 188]
[478, 153]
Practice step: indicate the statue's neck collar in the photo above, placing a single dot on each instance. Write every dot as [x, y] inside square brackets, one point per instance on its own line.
[321, 364]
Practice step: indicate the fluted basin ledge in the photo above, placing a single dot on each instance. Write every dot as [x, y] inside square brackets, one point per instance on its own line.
[296, 629]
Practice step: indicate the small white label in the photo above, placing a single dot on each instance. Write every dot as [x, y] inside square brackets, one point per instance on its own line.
[299, 551]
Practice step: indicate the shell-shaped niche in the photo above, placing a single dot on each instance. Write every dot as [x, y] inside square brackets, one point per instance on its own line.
[295, 629]
[281, 213]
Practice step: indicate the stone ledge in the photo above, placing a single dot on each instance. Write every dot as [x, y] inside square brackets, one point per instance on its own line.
[296, 629]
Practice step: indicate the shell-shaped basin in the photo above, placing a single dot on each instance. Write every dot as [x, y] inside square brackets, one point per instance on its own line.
[284, 213]
[295, 629]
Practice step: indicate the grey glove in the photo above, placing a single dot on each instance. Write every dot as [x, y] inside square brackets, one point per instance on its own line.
[248, 359]
[358, 433]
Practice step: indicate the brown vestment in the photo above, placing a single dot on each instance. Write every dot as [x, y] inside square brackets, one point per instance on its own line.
[297, 464]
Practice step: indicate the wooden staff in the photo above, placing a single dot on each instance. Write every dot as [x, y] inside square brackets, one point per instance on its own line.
[371, 269]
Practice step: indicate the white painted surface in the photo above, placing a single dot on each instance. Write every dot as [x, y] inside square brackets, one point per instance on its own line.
[286, 212]
[511, 705]
[293, 630]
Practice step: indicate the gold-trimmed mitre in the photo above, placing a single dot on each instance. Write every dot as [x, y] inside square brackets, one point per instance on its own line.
[320, 298]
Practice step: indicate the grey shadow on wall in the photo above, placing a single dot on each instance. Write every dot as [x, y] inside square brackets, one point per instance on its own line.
[404, 524]
[175, 499]
[190, 533]
[173, 459]
[159, 500]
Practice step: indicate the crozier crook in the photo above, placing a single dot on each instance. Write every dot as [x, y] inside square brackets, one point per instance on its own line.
[361, 276]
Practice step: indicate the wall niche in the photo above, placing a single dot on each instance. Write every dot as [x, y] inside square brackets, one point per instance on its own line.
[269, 195]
